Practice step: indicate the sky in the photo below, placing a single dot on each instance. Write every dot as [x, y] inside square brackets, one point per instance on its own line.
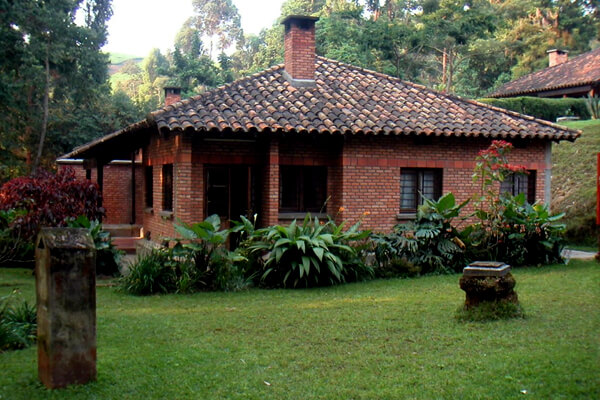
[138, 26]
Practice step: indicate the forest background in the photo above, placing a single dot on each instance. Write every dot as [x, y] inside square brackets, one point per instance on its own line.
[59, 90]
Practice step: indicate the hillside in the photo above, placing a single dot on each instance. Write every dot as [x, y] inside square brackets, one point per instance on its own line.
[119, 60]
[574, 180]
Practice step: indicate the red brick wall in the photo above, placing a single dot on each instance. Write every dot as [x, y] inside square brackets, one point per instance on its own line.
[116, 190]
[372, 167]
[363, 172]
[299, 43]
[161, 150]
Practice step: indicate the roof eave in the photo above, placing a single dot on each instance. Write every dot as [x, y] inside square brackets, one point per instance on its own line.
[98, 147]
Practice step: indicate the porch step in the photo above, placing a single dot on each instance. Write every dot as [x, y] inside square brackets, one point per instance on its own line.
[122, 230]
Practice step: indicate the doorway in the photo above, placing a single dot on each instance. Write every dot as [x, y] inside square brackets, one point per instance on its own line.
[229, 192]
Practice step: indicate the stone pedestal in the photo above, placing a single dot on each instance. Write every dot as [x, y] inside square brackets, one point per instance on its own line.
[65, 268]
[488, 281]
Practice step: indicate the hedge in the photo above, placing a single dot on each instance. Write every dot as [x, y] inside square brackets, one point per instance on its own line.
[542, 108]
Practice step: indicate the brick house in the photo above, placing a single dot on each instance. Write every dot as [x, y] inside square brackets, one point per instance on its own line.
[576, 77]
[317, 135]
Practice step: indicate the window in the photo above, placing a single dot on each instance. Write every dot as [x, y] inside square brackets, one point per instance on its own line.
[515, 184]
[302, 189]
[149, 194]
[167, 187]
[416, 184]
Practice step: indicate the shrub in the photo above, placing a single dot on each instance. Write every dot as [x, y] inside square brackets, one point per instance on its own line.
[542, 108]
[18, 323]
[313, 253]
[198, 261]
[13, 247]
[510, 229]
[202, 248]
[430, 244]
[48, 200]
[150, 274]
[107, 255]
[517, 233]
[396, 267]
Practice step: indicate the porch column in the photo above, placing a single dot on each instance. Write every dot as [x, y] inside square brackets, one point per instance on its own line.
[88, 164]
[335, 183]
[132, 220]
[188, 194]
[270, 195]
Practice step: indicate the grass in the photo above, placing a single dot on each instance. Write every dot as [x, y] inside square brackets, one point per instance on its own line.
[393, 339]
[574, 180]
[584, 247]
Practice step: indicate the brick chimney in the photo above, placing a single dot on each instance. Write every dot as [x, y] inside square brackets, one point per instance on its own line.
[172, 95]
[299, 43]
[556, 56]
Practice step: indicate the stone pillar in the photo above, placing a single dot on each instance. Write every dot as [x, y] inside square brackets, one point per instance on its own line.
[65, 268]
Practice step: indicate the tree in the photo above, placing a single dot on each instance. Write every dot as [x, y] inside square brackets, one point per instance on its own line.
[56, 70]
[219, 21]
[534, 26]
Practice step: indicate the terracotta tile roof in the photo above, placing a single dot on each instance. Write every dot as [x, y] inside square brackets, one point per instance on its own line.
[345, 100]
[579, 71]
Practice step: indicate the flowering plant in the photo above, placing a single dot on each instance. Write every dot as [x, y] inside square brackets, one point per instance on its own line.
[492, 167]
[510, 229]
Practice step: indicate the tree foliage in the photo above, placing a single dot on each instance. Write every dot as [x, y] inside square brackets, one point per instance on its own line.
[219, 21]
[458, 46]
[53, 79]
[54, 93]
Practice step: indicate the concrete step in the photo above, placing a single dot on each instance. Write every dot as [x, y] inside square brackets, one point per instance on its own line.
[122, 230]
[127, 244]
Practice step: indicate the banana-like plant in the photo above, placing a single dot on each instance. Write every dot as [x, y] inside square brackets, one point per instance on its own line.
[312, 253]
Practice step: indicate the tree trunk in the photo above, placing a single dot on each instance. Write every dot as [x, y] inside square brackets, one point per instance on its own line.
[38, 156]
[450, 73]
[444, 68]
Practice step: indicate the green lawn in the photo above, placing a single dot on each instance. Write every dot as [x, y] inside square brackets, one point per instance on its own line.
[394, 339]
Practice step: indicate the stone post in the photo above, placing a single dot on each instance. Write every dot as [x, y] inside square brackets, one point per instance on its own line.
[488, 281]
[65, 268]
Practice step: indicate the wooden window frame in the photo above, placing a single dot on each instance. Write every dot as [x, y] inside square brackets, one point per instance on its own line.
[417, 184]
[516, 184]
[300, 175]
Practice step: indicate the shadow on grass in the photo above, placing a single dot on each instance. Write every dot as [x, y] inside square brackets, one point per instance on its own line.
[490, 311]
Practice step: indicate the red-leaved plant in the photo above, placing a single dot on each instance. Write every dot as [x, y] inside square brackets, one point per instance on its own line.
[49, 200]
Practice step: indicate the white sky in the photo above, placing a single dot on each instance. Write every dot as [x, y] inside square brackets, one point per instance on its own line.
[138, 26]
